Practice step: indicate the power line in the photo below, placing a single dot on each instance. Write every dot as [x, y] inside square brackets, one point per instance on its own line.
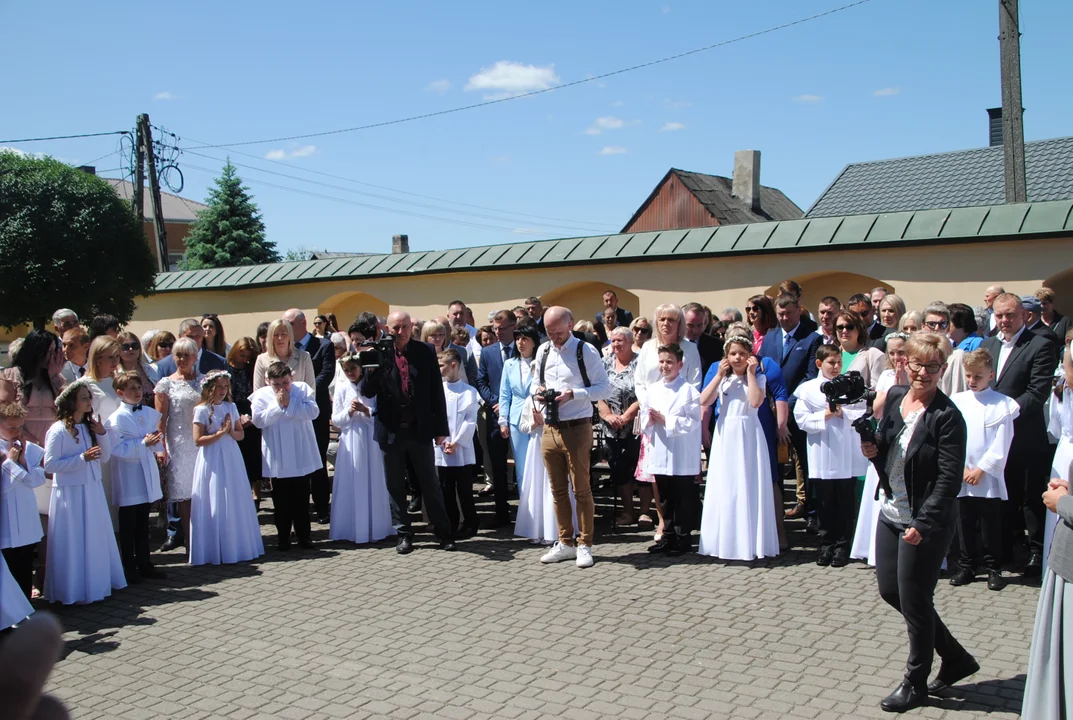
[563, 86]
[66, 137]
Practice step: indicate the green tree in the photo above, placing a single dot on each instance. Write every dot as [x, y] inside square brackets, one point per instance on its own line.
[66, 240]
[230, 232]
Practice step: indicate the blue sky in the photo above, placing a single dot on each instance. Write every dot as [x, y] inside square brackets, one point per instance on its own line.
[886, 79]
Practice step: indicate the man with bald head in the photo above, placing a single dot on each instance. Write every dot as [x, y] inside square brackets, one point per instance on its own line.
[411, 417]
[322, 353]
[573, 368]
[989, 300]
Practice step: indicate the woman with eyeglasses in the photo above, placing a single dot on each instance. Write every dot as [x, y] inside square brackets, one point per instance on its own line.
[131, 359]
[760, 314]
[214, 335]
[891, 310]
[921, 445]
[320, 327]
[857, 355]
[642, 332]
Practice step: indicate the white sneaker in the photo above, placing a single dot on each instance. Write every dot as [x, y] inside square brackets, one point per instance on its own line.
[584, 556]
[560, 552]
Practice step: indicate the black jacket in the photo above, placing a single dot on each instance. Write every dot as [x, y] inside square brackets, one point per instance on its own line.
[426, 393]
[1027, 379]
[710, 350]
[935, 461]
[322, 354]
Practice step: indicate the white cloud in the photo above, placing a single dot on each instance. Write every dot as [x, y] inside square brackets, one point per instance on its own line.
[439, 87]
[607, 122]
[618, 103]
[672, 126]
[13, 151]
[677, 104]
[885, 92]
[613, 150]
[507, 78]
[304, 151]
[166, 95]
[808, 98]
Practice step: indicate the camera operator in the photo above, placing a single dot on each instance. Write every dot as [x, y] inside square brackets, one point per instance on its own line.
[573, 372]
[411, 415]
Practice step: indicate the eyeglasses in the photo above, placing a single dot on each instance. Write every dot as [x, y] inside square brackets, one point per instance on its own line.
[752, 308]
[645, 330]
[131, 346]
[937, 324]
[932, 368]
[165, 346]
[843, 328]
[318, 322]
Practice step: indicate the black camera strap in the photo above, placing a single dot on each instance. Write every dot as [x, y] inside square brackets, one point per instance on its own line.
[580, 364]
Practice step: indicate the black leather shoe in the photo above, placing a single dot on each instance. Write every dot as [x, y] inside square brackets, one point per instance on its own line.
[826, 557]
[283, 545]
[906, 697]
[132, 576]
[405, 545]
[662, 545]
[952, 673]
[681, 545]
[963, 576]
[812, 525]
[152, 573]
[448, 545]
[1034, 569]
[170, 544]
[305, 543]
[324, 518]
[414, 506]
[995, 581]
[841, 558]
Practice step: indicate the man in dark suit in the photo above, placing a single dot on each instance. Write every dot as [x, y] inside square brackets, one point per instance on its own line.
[322, 353]
[622, 315]
[709, 348]
[862, 305]
[1024, 366]
[1034, 322]
[206, 360]
[794, 288]
[793, 346]
[489, 374]
[411, 415]
[1051, 317]
[535, 309]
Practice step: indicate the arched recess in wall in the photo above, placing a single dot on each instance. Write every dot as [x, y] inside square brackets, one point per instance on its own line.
[842, 285]
[1062, 284]
[347, 305]
[585, 299]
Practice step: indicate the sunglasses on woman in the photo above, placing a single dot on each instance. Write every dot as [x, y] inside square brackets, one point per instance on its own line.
[843, 328]
[131, 346]
[645, 330]
[752, 308]
[165, 346]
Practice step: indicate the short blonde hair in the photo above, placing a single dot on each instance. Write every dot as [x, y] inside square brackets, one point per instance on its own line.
[102, 346]
[928, 346]
[978, 359]
[896, 304]
[431, 327]
[913, 315]
[584, 326]
[270, 344]
[669, 309]
[185, 345]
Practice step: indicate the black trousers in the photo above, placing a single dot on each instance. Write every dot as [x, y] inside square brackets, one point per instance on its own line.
[679, 499]
[457, 482]
[20, 561]
[497, 450]
[134, 537]
[420, 453]
[907, 575]
[1026, 481]
[320, 486]
[836, 506]
[290, 502]
[622, 458]
[988, 512]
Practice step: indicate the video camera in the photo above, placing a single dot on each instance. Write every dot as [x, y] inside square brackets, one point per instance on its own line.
[374, 354]
[550, 398]
[847, 389]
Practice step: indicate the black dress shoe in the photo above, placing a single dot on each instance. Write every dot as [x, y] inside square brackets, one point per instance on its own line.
[995, 581]
[680, 545]
[152, 573]
[963, 576]
[841, 558]
[415, 505]
[448, 545]
[305, 543]
[662, 545]
[812, 525]
[466, 531]
[324, 519]
[951, 673]
[283, 545]
[172, 543]
[1034, 569]
[827, 555]
[132, 576]
[405, 545]
[906, 697]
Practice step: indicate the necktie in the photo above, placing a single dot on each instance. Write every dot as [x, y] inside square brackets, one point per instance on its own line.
[786, 339]
[81, 371]
[506, 352]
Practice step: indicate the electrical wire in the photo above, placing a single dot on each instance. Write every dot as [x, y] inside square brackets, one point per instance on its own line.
[563, 86]
[66, 137]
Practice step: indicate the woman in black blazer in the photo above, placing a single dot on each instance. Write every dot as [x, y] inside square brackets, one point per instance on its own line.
[920, 442]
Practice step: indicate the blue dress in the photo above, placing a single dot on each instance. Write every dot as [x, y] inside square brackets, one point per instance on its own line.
[776, 392]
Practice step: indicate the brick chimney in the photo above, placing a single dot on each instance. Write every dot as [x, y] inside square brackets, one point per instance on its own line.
[400, 244]
[746, 185]
[994, 126]
[88, 169]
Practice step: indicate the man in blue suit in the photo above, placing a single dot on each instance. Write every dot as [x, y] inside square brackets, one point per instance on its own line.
[206, 360]
[489, 374]
[793, 345]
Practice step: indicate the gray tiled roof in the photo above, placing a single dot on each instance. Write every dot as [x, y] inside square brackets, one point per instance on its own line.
[965, 178]
[974, 224]
[176, 208]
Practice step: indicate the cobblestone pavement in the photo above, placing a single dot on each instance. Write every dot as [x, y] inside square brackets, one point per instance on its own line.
[488, 632]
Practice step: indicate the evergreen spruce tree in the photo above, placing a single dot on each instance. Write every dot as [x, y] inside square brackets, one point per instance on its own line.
[230, 232]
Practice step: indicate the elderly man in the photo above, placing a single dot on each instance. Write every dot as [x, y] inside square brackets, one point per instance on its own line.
[411, 415]
[1024, 366]
[574, 370]
[876, 296]
[489, 375]
[63, 320]
[206, 360]
[731, 315]
[76, 350]
[710, 349]
[624, 316]
[989, 299]
[322, 353]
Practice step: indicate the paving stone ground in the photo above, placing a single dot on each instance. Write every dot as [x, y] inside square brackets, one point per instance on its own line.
[488, 632]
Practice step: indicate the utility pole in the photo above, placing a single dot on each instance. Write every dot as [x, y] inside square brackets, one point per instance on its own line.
[1013, 131]
[154, 190]
[139, 174]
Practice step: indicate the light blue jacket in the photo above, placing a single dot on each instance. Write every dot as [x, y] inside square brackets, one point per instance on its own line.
[512, 393]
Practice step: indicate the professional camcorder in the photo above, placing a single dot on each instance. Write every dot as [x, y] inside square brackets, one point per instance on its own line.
[550, 398]
[848, 389]
[376, 353]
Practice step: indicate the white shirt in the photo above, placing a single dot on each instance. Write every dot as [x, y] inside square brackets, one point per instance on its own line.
[462, 404]
[647, 372]
[989, 417]
[562, 373]
[834, 447]
[1006, 349]
[135, 475]
[63, 455]
[20, 525]
[674, 446]
[288, 445]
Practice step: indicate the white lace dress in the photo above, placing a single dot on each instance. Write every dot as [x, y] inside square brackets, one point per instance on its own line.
[183, 396]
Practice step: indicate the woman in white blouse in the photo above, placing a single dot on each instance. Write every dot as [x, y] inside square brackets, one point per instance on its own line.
[101, 365]
[279, 345]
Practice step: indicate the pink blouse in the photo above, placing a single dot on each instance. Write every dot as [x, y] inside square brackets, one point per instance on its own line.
[40, 406]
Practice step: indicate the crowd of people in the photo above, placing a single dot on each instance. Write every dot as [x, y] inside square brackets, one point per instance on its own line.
[906, 433]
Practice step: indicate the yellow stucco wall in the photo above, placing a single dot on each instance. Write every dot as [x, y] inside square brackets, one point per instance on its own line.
[953, 273]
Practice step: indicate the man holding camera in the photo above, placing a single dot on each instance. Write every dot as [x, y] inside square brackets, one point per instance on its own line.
[411, 415]
[570, 376]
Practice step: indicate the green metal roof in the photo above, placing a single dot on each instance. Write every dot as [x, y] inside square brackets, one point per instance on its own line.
[809, 234]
